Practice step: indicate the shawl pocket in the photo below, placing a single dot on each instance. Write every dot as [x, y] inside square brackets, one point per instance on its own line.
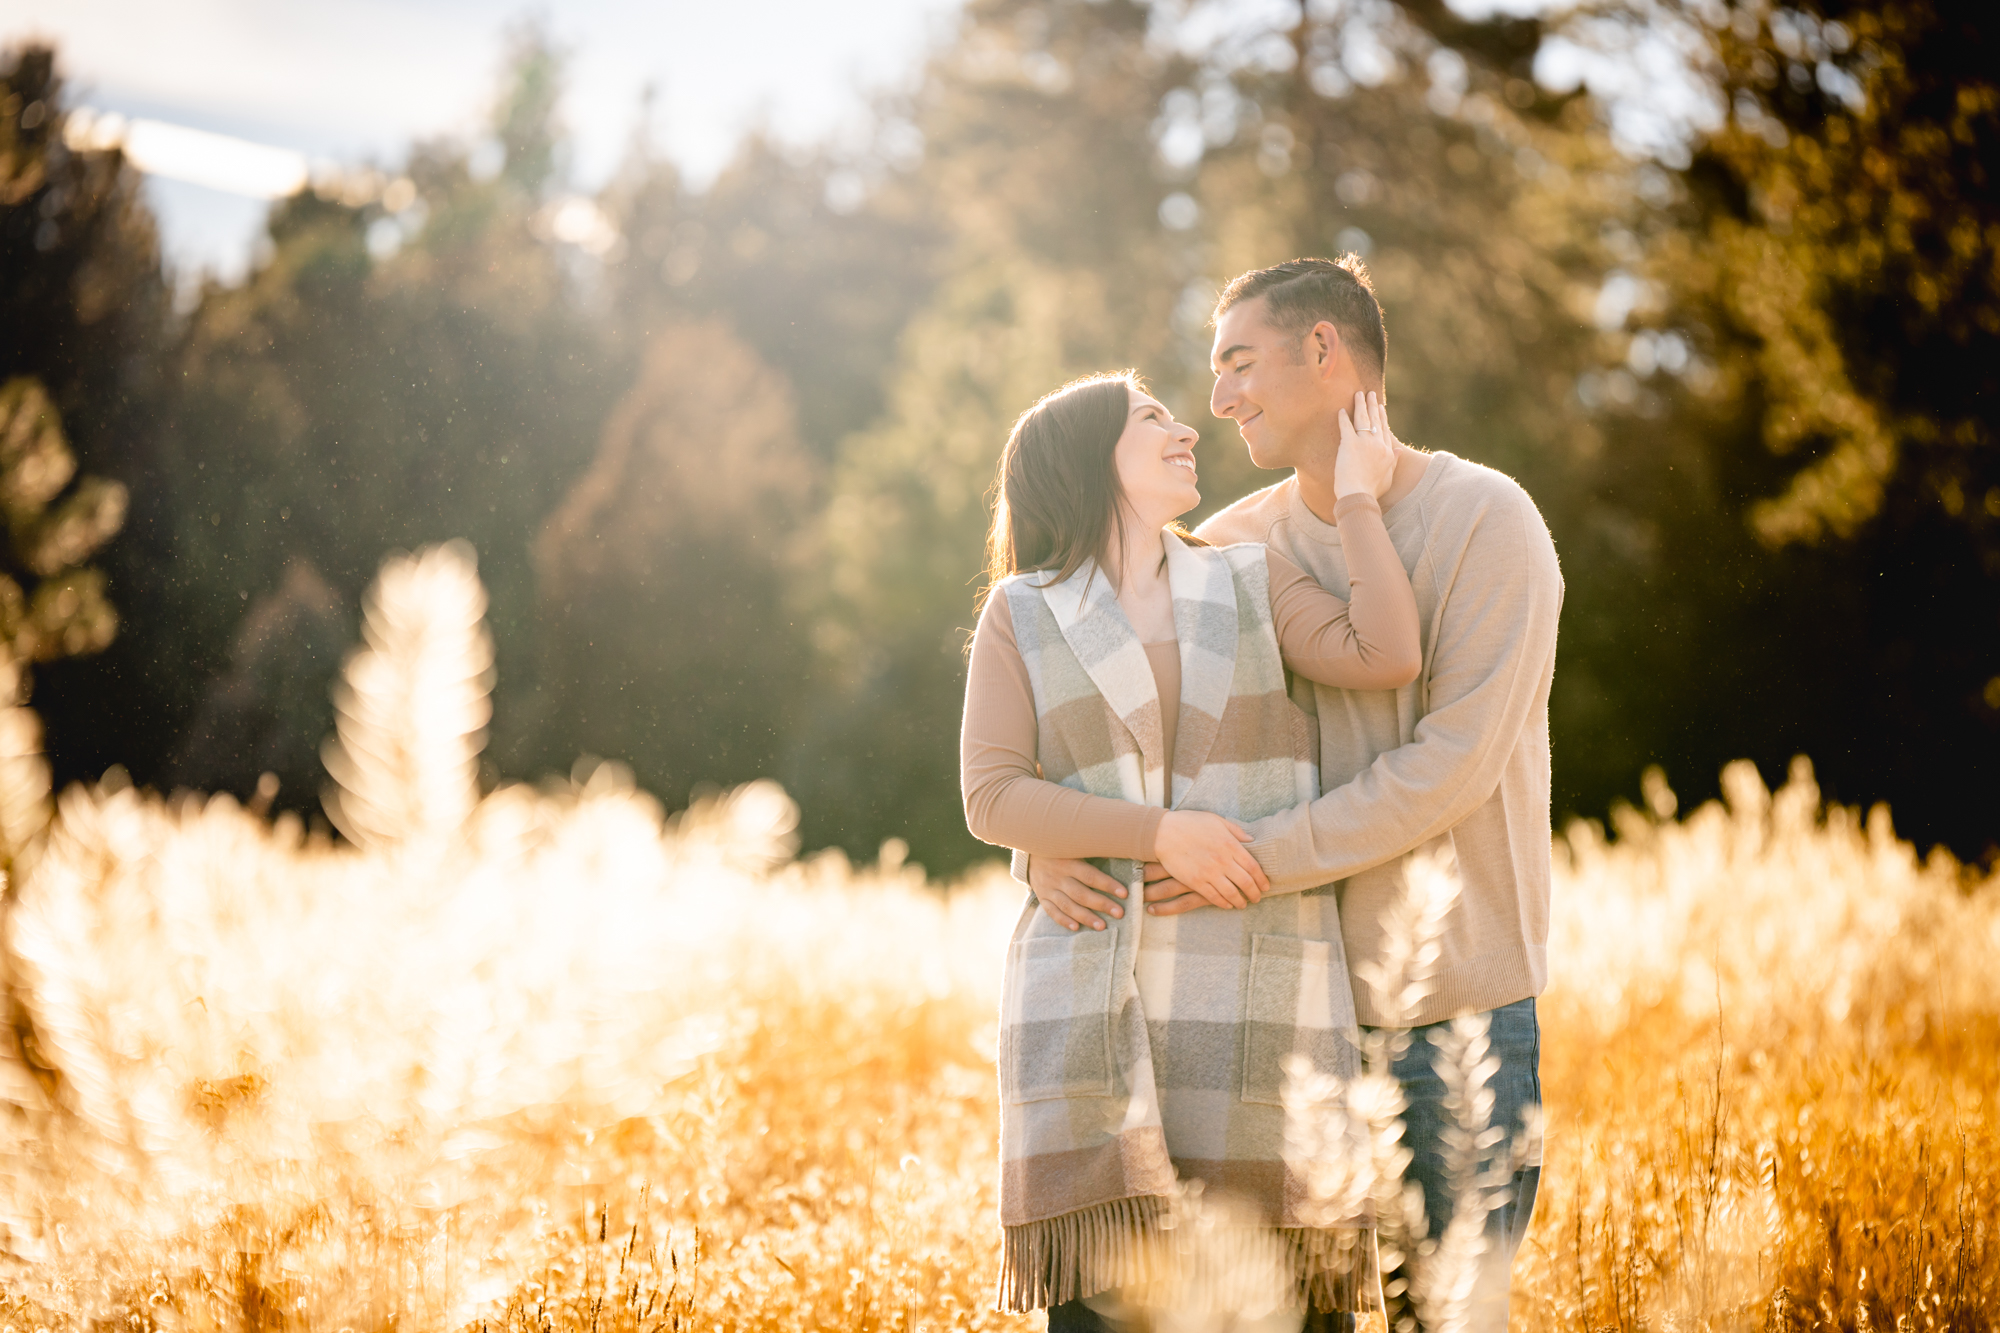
[1291, 1007]
[1055, 1021]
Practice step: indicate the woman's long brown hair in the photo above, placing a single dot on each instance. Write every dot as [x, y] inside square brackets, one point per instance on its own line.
[1057, 498]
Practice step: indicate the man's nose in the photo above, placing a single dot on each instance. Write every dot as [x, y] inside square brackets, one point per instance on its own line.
[1220, 400]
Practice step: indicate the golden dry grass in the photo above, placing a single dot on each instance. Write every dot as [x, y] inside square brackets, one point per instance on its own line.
[548, 1061]
[1771, 1061]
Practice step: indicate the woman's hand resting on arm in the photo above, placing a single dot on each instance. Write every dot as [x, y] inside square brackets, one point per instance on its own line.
[1207, 854]
[1211, 866]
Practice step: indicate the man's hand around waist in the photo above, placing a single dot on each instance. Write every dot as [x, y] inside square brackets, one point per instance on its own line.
[1075, 894]
[1167, 896]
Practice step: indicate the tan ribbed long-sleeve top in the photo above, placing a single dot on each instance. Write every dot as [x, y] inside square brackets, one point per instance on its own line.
[1370, 643]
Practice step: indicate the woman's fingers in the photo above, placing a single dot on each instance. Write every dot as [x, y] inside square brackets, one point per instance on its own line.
[1207, 856]
[1259, 881]
[1236, 883]
[1245, 880]
[1346, 427]
[1382, 421]
[1254, 883]
[1220, 892]
[1251, 878]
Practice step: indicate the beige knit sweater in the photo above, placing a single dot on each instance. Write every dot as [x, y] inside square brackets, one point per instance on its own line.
[1349, 642]
[1458, 758]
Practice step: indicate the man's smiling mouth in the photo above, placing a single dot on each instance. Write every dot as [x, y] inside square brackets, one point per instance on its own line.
[1244, 423]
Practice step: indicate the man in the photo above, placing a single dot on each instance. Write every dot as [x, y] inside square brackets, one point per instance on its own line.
[1456, 761]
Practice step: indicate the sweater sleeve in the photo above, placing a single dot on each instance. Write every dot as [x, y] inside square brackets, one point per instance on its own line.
[1492, 658]
[1367, 643]
[1006, 801]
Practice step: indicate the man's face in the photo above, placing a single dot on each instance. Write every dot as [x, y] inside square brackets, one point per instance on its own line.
[1270, 384]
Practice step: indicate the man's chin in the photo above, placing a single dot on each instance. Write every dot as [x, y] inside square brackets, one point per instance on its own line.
[1264, 454]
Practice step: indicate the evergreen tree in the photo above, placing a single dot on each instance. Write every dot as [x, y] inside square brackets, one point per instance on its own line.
[1697, 369]
[80, 300]
[413, 363]
[728, 472]
[663, 575]
[1836, 243]
[820, 293]
[51, 607]
[1037, 153]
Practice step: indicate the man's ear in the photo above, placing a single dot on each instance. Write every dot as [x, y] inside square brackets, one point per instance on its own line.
[1326, 348]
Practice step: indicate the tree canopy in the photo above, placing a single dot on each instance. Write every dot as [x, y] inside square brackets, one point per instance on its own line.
[726, 453]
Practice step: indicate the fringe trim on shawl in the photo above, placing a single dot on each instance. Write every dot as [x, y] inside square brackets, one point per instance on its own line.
[1079, 1254]
[1124, 1243]
[1330, 1268]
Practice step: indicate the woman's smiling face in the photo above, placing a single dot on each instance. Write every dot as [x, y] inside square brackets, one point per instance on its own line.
[1155, 463]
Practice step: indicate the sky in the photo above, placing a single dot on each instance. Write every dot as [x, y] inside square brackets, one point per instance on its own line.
[357, 80]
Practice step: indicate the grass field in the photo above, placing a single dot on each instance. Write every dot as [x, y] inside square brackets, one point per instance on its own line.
[540, 1059]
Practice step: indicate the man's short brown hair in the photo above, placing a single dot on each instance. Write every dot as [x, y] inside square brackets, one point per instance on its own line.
[1301, 292]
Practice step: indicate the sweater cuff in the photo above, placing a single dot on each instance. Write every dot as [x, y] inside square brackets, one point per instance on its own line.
[1275, 843]
[1348, 505]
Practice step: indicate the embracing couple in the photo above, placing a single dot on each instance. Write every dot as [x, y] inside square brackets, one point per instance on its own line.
[1215, 756]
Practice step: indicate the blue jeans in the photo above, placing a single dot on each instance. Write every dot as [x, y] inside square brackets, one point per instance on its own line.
[1515, 1038]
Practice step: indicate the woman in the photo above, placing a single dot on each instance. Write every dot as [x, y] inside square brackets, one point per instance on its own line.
[1127, 699]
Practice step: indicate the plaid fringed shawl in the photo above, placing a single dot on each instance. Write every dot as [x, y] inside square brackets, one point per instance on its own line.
[1152, 1051]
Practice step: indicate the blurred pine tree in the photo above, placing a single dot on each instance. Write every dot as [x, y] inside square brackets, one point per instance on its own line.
[820, 292]
[385, 379]
[1038, 158]
[1837, 242]
[663, 575]
[1744, 385]
[50, 605]
[79, 294]
[1687, 361]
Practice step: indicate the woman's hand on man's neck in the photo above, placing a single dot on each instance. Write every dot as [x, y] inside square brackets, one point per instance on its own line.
[1316, 480]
